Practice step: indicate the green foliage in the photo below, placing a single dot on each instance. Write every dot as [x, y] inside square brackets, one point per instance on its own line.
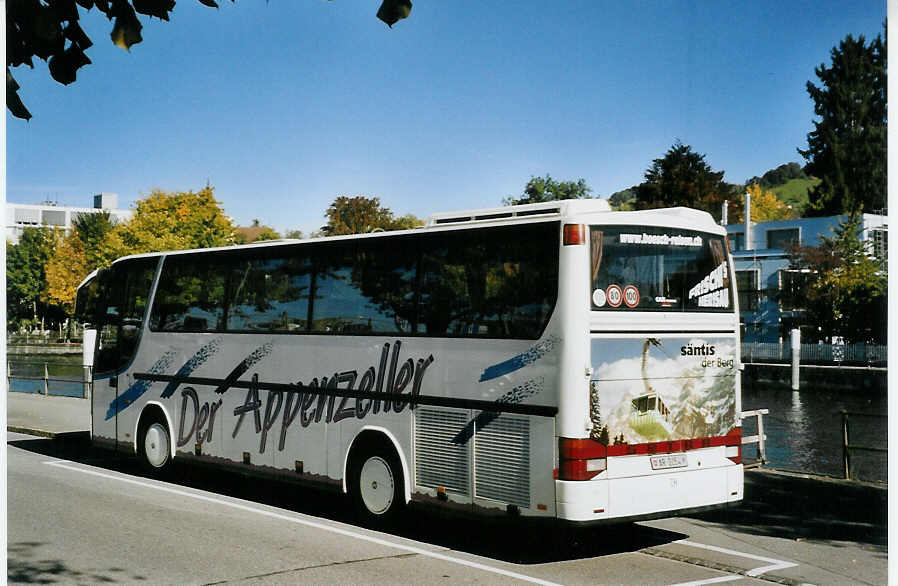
[795, 193]
[392, 11]
[267, 233]
[408, 222]
[50, 30]
[540, 189]
[623, 200]
[255, 233]
[778, 176]
[360, 215]
[683, 178]
[26, 276]
[170, 221]
[91, 229]
[847, 148]
[845, 294]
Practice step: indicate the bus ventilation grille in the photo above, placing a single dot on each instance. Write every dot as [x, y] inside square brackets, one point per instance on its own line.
[502, 461]
[439, 461]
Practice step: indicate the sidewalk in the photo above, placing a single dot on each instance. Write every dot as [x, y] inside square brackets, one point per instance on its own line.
[47, 416]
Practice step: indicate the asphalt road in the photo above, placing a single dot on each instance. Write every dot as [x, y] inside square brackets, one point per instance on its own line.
[80, 515]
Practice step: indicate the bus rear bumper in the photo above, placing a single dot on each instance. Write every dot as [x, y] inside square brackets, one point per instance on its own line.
[648, 496]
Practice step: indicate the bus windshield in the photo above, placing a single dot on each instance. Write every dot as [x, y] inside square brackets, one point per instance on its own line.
[658, 269]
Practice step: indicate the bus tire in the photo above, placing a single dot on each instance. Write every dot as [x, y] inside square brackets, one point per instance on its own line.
[154, 445]
[376, 484]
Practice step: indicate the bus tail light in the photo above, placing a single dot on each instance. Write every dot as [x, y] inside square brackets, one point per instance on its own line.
[574, 234]
[733, 443]
[580, 459]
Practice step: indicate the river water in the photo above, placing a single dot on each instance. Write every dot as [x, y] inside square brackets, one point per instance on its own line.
[58, 366]
[804, 428]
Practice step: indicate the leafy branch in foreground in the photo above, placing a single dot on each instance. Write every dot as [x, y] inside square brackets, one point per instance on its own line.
[49, 30]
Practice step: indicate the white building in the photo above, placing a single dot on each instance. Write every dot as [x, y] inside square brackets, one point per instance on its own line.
[50, 215]
[763, 269]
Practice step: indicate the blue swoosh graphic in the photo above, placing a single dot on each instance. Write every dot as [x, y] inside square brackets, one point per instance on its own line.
[139, 387]
[519, 361]
[484, 418]
[197, 360]
[257, 355]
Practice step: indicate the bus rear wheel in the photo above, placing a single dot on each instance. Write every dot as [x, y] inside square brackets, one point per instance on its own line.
[376, 485]
[155, 446]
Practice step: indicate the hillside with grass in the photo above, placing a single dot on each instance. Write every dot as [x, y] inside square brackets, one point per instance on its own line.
[794, 192]
[788, 182]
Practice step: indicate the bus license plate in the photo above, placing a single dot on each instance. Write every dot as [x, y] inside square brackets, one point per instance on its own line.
[669, 461]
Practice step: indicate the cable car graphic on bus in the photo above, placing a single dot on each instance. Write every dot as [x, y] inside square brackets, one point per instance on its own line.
[650, 417]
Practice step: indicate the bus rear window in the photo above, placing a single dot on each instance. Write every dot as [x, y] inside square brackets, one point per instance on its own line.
[639, 268]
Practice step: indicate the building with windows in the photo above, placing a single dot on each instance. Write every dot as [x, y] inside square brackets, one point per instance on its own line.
[50, 215]
[763, 274]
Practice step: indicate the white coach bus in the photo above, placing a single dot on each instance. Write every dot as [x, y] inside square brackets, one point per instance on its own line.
[546, 360]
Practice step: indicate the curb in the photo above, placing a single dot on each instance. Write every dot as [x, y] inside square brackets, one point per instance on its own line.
[49, 434]
[819, 478]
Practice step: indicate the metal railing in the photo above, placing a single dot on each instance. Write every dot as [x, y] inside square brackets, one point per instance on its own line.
[846, 442]
[46, 379]
[760, 438]
[848, 354]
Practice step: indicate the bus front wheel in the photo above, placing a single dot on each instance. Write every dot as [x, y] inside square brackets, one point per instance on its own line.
[376, 485]
[155, 446]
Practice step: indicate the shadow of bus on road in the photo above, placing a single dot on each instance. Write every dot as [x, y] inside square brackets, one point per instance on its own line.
[510, 539]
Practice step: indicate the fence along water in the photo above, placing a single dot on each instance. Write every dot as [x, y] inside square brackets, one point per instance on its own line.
[821, 354]
[46, 375]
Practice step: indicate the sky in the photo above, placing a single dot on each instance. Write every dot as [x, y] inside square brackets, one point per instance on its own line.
[283, 105]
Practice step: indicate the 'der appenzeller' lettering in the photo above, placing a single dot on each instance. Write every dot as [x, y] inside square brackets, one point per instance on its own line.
[390, 377]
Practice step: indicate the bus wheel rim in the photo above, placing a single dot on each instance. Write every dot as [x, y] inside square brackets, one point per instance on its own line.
[376, 485]
[155, 445]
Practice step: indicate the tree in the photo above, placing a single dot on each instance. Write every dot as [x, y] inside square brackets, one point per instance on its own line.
[170, 221]
[408, 222]
[779, 176]
[845, 291]
[255, 233]
[26, 277]
[540, 189]
[49, 30]
[765, 207]
[622, 201]
[360, 215]
[65, 269]
[683, 178]
[91, 229]
[847, 148]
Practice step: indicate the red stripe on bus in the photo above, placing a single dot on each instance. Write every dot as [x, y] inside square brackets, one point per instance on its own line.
[733, 438]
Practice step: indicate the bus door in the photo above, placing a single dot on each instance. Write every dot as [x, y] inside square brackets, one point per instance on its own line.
[123, 291]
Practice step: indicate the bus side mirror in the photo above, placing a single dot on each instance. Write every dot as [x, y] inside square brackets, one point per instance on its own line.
[89, 346]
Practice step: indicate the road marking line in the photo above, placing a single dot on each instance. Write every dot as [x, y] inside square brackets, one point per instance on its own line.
[754, 573]
[710, 581]
[432, 554]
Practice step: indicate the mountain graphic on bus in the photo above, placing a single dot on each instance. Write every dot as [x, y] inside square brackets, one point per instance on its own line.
[662, 388]
[650, 417]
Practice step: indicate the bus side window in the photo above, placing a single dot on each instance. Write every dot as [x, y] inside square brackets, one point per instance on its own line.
[269, 294]
[489, 283]
[191, 294]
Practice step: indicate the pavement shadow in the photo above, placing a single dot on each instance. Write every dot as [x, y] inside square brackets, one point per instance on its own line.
[796, 507]
[26, 565]
[510, 539]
